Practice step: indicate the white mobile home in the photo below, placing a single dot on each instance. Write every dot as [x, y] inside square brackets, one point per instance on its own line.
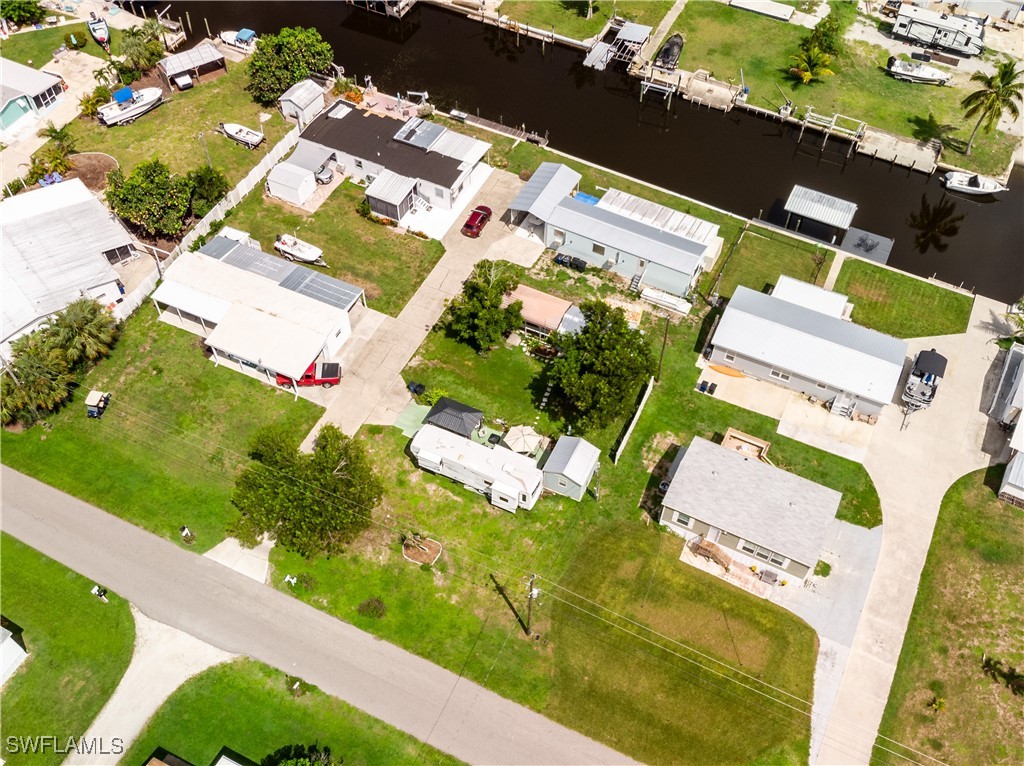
[961, 34]
[509, 480]
[1008, 410]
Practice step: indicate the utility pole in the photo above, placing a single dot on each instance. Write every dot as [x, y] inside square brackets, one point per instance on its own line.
[206, 149]
[531, 594]
[661, 358]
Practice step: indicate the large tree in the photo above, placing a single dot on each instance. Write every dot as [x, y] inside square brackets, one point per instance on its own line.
[21, 11]
[209, 186]
[999, 93]
[313, 504]
[284, 59]
[151, 198]
[601, 367]
[40, 379]
[476, 316]
[82, 332]
[142, 47]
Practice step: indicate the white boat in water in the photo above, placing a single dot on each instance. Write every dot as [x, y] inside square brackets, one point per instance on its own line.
[912, 71]
[128, 105]
[972, 183]
[294, 249]
[247, 137]
[244, 39]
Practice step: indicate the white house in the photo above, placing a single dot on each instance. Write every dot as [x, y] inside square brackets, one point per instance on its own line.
[291, 183]
[25, 92]
[1008, 410]
[571, 466]
[11, 655]
[509, 480]
[59, 244]
[257, 311]
[302, 102]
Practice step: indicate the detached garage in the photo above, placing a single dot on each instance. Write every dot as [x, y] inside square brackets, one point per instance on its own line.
[291, 183]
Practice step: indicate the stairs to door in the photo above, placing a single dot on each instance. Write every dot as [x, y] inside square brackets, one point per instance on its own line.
[635, 282]
[843, 406]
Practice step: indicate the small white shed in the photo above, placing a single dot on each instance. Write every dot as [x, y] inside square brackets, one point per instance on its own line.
[11, 655]
[302, 102]
[571, 466]
[291, 183]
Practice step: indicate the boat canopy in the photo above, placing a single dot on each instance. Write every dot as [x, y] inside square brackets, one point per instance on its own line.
[244, 35]
[123, 96]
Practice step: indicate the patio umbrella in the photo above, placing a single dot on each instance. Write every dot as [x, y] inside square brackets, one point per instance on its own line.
[522, 439]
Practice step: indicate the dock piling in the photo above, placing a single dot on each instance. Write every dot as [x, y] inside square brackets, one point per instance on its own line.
[189, 20]
[207, 23]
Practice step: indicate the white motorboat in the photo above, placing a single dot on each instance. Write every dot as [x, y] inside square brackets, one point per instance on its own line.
[294, 249]
[972, 183]
[247, 137]
[128, 105]
[99, 31]
[244, 39]
[912, 71]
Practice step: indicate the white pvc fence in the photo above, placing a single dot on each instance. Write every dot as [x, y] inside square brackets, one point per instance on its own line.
[636, 416]
[135, 298]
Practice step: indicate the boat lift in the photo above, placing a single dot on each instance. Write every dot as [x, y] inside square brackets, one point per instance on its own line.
[667, 90]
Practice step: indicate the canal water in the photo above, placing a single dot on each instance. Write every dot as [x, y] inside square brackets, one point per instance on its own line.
[738, 162]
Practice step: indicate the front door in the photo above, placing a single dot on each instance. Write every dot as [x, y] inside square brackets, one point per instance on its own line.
[713, 534]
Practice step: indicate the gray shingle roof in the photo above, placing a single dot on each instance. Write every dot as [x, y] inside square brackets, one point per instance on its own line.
[573, 458]
[753, 500]
[455, 416]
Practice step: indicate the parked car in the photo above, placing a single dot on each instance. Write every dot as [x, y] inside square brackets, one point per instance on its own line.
[323, 175]
[476, 221]
[324, 374]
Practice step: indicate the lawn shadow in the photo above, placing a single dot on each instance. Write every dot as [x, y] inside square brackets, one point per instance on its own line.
[654, 491]
[994, 477]
[313, 753]
[705, 333]
[579, 7]
[929, 128]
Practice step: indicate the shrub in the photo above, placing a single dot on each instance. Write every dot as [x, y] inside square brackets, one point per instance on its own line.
[363, 208]
[431, 395]
[373, 607]
[21, 12]
[75, 42]
[306, 580]
[92, 102]
[525, 175]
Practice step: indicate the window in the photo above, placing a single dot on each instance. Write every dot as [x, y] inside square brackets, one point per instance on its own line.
[559, 234]
[119, 255]
[439, 192]
[820, 385]
[563, 483]
[730, 357]
[779, 375]
[764, 554]
[359, 164]
[683, 520]
[598, 249]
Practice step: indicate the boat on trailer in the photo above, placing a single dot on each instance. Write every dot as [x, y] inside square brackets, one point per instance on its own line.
[972, 183]
[99, 30]
[243, 40]
[913, 71]
[247, 137]
[668, 57]
[128, 105]
[294, 249]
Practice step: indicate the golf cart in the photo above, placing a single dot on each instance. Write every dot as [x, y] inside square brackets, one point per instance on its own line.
[96, 403]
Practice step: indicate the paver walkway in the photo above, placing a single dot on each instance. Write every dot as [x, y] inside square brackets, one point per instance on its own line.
[373, 390]
[240, 616]
[164, 658]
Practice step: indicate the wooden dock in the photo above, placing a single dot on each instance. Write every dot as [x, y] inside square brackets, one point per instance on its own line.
[516, 133]
[905, 152]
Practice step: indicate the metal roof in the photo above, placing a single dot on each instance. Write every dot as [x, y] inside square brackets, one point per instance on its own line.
[814, 345]
[753, 500]
[52, 241]
[20, 80]
[391, 187]
[460, 147]
[419, 133]
[819, 206]
[539, 308]
[810, 296]
[288, 175]
[632, 32]
[572, 322]
[454, 416]
[192, 300]
[943, 20]
[303, 93]
[1010, 391]
[194, 58]
[549, 185]
[309, 155]
[574, 458]
[1014, 476]
[659, 216]
[271, 340]
[627, 235]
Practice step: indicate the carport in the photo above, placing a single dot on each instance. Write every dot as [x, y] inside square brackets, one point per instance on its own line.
[808, 204]
[200, 60]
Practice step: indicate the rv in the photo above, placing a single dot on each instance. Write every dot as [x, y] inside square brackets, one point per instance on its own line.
[940, 30]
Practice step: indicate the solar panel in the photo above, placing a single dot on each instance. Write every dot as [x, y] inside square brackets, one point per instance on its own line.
[256, 262]
[321, 287]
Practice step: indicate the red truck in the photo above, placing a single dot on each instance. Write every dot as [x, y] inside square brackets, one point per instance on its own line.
[324, 374]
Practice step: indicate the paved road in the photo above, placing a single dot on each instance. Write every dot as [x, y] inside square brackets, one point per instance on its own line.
[237, 614]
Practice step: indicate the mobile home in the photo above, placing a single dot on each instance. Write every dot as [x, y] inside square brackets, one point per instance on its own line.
[960, 34]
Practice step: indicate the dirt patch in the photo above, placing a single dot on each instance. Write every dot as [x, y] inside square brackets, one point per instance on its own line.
[656, 448]
[421, 550]
[658, 456]
[92, 168]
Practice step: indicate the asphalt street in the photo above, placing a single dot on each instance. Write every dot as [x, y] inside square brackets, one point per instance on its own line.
[239, 615]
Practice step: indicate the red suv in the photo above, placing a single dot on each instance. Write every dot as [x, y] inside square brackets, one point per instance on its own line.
[476, 221]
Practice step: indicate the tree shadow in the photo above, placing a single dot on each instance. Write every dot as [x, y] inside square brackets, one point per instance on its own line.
[928, 128]
[579, 7]
[315, 753]
[934, 224]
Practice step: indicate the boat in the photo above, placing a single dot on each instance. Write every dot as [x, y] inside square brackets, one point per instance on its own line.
[128, 105]
[925, 376]
[247, 137]
[913, 71]
[668, 56]
[972, 183]
[294, 249]
[99, 31]
[731, 372]
[244, 39]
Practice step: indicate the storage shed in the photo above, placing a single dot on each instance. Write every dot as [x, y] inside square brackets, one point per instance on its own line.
[291, 183]
[302, 102]
[571, 466]
[12, 654]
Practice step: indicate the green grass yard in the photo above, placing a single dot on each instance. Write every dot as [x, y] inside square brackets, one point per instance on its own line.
[761, 257]
[387, 265]
[38, 45]
[249, 708]
[78, 649]
[969, 603]
[569, 17]
[167, 449]
[172, 131]
[901, 305]
[725, 40]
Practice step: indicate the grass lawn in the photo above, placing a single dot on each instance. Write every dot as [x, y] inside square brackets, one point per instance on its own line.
[724, 40]
[569, 17]
[249, 708]
[969, 604]
[900, 305]
[167, 449]
[38, 46]
[761, 257]
[387, 265]
[78, 649]
[171, 131]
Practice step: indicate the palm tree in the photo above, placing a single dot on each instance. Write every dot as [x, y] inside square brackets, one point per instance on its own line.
[1000, 92]
[107, 74]
[142, 47]
[42, 378]
[811, 64]
[62, 138]
[82, 331]
[1015, 316]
